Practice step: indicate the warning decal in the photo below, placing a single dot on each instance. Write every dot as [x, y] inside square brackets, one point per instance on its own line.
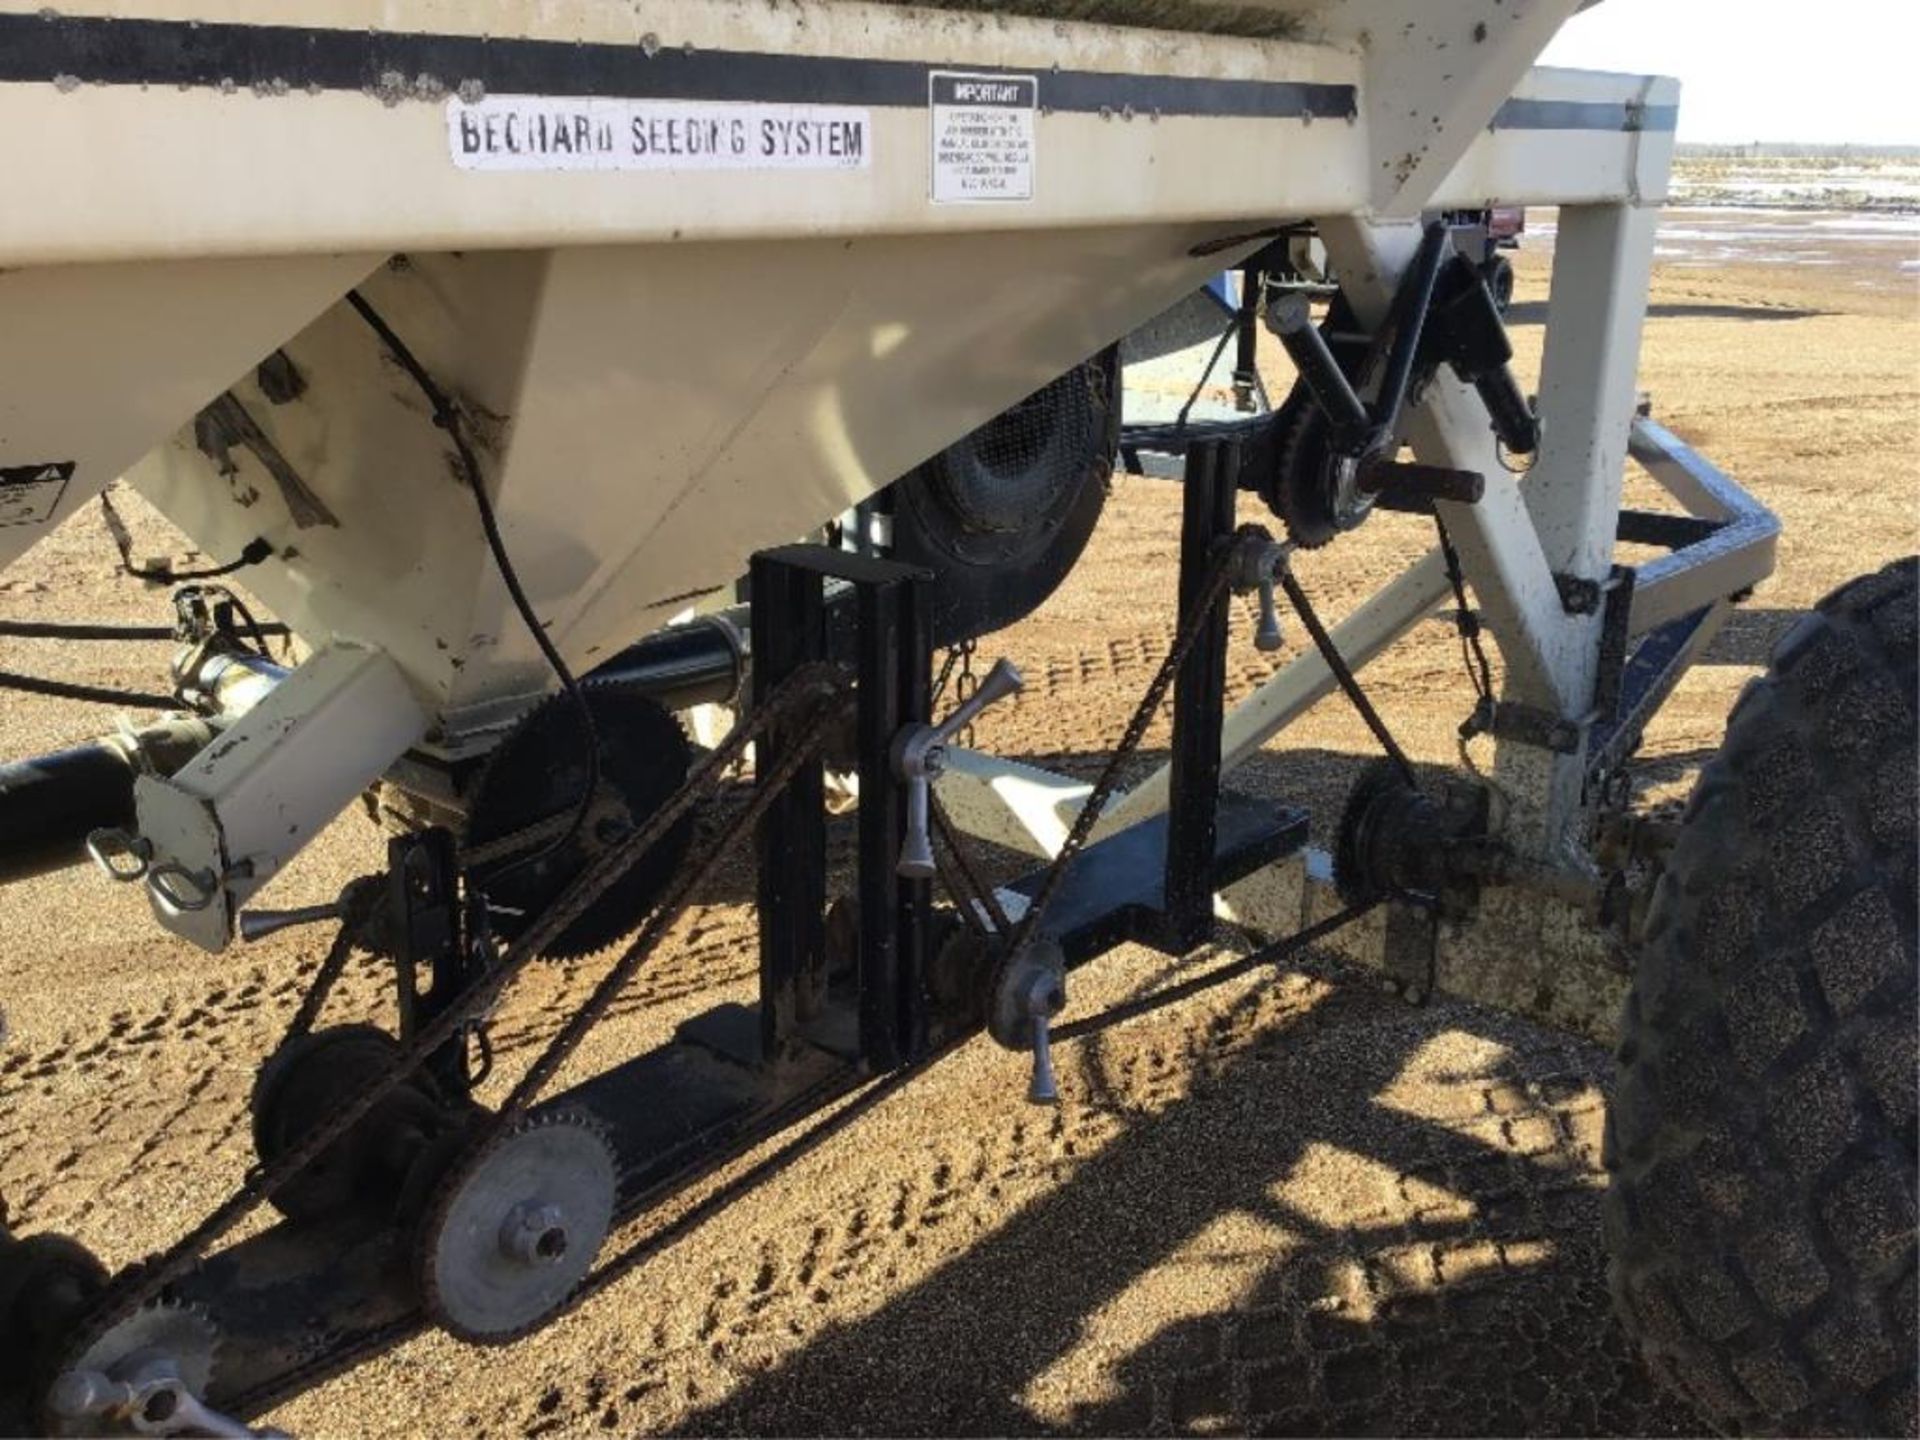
[537, 132]
[29, 493]
[983, 136]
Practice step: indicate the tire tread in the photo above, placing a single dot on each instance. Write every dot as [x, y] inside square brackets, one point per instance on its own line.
[1761, 1216]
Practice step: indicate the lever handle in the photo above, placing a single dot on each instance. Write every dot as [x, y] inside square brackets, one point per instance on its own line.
[1260, 561]
[1042, 1090]
[1045, 999]
[916, 849]
[157, 1403]
[1266, 631]
[920, 753]
[1001, 682]
[258, 924]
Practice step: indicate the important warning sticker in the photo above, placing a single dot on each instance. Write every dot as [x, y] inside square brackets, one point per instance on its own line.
[29, 493]
[983, 136]
[537, 132]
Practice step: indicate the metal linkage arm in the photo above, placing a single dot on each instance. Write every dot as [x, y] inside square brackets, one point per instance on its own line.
[1408, 319]
[1290, 317]
[920, 754]
[1359, 428]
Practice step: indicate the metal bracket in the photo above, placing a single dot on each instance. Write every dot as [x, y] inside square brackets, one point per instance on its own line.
[890, 644]
[1616, 625]
[1531, 725]
[1412, 950]
[1578, 596]
[1528, 725]
[1581, 596]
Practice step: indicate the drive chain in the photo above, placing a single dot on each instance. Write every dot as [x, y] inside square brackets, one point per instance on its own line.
[1219, 574]
[808, 696]
[813, 695]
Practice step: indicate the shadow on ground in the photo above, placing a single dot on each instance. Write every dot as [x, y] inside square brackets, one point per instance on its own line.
[1534, 312]
[1749, 636]
[1418, 1194]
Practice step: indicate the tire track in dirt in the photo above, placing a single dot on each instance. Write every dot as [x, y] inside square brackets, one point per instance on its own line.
[1343, 1217]
[1369, 1328]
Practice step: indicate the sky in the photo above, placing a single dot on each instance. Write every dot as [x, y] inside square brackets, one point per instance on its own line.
[1810, 70]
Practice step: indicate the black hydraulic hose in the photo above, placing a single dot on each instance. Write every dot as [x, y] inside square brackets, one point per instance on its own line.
[66, 690]
[447, 417]
[88, 630]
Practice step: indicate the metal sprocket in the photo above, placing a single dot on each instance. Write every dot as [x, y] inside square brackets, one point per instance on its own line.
[1312, 488]
[540, 771]
[514, 1227]
[182, 1333]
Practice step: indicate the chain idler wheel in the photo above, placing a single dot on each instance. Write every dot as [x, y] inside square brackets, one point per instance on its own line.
[514, 1227]
[300, 1088]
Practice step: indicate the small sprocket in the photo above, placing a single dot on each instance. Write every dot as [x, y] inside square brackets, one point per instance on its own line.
[162, 1340]
[514, 1227]
[1313, 489]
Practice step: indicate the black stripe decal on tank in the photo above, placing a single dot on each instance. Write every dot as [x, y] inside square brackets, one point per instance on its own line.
[74, 50]
[1612, 115]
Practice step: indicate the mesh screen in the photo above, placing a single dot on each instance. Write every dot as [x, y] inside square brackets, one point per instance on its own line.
[1037, 449]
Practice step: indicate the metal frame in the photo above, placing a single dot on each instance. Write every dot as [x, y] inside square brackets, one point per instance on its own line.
[836, 371]
[762, 428]
[1722, 546]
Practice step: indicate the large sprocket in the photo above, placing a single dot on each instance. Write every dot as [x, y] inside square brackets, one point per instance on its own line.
[540, 770]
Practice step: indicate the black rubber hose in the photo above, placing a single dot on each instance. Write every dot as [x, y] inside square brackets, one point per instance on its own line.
[66, 690]
[88, 630]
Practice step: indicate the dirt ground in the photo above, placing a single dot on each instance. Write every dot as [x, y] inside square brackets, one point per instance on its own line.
[1297, 1208]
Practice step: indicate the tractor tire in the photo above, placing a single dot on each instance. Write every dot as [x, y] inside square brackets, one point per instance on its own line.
[1761, 1216]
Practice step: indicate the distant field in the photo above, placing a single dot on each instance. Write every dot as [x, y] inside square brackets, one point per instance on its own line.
[1883, 181]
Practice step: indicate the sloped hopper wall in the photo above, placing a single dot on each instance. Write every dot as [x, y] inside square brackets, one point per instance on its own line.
[649, 416]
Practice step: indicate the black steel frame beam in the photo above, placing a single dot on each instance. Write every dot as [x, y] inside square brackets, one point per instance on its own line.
[893, 664]
[895, 690]
[789, 631]
[1199, 693]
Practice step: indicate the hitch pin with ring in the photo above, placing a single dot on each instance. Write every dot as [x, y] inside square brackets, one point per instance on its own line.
[174, 888]
[109, 845]
[180, 891]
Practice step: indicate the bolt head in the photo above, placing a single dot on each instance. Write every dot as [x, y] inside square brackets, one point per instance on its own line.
[534, 1234]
